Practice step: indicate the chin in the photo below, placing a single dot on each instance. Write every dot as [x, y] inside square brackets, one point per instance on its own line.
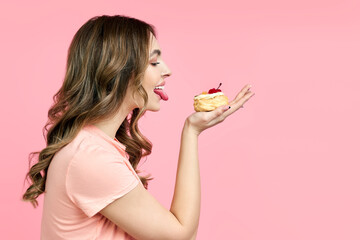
[153, 108]
[153, 104]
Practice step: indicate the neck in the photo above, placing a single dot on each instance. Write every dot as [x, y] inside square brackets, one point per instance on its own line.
[110, 126]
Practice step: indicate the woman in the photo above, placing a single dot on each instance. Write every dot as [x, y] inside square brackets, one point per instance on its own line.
[88, 169]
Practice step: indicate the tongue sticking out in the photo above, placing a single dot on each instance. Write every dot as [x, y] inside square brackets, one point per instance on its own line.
[162, 94]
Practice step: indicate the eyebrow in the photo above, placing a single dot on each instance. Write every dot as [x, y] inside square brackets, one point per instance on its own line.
[156, 51]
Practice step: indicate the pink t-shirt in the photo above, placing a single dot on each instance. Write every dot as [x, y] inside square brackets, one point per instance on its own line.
[84, 177]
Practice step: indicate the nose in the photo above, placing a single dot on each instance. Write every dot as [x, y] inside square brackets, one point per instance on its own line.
[164, 75]
[167, 72]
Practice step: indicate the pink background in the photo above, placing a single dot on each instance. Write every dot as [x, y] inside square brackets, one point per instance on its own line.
[284, 167]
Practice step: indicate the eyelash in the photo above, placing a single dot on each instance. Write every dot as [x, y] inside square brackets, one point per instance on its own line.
[154, 64]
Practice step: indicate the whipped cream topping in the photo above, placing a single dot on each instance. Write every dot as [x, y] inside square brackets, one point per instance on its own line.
[208, 95]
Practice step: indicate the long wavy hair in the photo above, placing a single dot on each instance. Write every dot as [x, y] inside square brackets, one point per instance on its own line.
[106, 56]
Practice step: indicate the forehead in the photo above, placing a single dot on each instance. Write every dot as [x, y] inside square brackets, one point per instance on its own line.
[154, 44]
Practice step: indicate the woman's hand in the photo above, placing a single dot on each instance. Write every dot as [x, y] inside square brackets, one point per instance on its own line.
[199, 121]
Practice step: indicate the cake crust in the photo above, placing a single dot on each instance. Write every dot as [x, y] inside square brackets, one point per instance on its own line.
[210, 103]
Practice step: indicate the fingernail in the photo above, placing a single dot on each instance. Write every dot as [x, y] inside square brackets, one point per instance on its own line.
[226, 108]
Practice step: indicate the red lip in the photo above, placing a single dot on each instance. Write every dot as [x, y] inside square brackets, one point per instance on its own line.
[161, 84]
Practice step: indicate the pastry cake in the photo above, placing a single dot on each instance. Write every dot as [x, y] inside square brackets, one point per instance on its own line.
[208, 101]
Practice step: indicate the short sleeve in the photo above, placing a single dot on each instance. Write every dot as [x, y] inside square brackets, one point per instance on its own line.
[96, 177]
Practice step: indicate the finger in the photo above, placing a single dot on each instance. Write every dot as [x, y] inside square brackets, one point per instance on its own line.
[220, 115]
[238, 104]
[228, 111]
[241, 94]
[217, 112]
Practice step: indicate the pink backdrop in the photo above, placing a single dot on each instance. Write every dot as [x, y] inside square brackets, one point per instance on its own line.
[284, 167]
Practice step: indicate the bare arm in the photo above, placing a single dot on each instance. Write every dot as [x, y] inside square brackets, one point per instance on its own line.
[139, 209]
[143, 217]
[186, 199]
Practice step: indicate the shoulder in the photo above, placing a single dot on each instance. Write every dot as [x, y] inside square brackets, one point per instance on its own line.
[92, 152]
[92, 155]
[97, 175]
[90, 143]
[94, 165]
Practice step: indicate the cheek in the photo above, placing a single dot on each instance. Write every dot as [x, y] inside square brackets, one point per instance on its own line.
[150, 80]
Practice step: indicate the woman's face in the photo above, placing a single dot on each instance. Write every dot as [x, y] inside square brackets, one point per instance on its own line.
[154, 76]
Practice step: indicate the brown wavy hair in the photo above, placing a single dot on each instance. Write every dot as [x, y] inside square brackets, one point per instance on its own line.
[106, 55]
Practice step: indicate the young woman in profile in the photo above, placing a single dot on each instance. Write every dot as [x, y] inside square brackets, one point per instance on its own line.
[88, 170]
